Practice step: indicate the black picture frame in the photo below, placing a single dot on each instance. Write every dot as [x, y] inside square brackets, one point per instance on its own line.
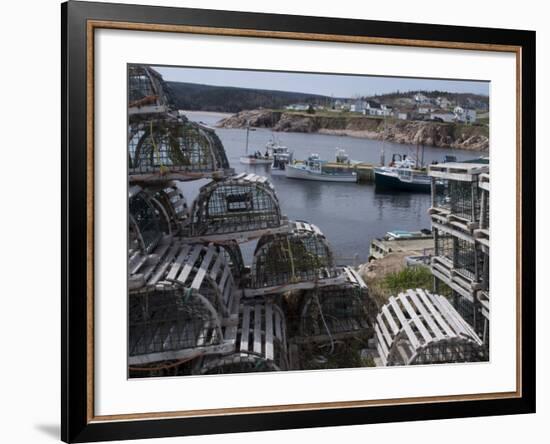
[77, 425]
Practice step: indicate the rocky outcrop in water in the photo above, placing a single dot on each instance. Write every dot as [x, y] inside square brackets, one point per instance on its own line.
[443, 135]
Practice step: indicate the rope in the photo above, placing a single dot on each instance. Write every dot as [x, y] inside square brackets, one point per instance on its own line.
[291, 257]
[316, 297]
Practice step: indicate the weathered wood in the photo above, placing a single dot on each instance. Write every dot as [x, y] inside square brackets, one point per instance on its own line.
[390, 320]
[269, 331]
[258, 328]
[435, 313]
[178, 263]
[197, 281]
[404, 323]
[190, 264]
[418, 322]
[425, 315]
[245, 328]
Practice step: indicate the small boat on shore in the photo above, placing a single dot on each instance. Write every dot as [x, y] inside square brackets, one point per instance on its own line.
[403, 175]
[313, 168]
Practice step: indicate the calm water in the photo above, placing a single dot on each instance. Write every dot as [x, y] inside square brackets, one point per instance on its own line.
[350, 215]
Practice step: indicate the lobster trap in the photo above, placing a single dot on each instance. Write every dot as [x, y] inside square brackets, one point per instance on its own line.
[241, 208]
[171, 147]
[284, 259]
[335, 312]
[183, 304]
[147, 92]
[418, 327]
[261, 343]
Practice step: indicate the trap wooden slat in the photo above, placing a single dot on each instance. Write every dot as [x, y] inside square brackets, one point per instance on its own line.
[216, 267]
[381, 341]
[197, 281]
[245, 328]
[448, 330]
[433, 326]
[163, 266]
[258, 328]
[190, 264]
[269, 331]
[390, 320]
[178, 263]
[417, 321]
[404, 323]
[384, 330]
[278, 322]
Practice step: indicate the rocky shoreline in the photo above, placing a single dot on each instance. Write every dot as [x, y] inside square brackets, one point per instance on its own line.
[442, 135]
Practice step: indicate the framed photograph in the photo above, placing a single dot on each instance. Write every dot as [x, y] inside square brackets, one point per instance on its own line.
[275, 221]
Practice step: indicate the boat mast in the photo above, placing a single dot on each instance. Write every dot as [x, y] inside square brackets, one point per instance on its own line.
[382, 152]
[247, 131]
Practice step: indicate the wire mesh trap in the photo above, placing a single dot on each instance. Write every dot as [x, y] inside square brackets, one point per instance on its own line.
[172, 324]
[147, 92]
[300, 255]
[202, 268]
[168, 147]
[170, 205]
[418, 327]
[241, 208]
[325, 314]
[146, 226]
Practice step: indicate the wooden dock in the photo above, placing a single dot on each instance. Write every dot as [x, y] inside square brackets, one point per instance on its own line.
[365, 171]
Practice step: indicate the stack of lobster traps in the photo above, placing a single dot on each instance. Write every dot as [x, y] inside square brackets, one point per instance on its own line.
[194, 307]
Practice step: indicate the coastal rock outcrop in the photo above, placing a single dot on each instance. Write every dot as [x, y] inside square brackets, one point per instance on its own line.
[429, 133]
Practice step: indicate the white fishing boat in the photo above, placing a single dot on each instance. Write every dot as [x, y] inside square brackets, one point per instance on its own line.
[256, 158]
[282, 156]
[313, 168]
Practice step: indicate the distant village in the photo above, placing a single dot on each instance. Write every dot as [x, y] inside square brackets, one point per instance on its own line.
[417, 106]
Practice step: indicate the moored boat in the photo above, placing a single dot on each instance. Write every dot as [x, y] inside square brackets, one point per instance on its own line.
[256, 158]
[313, 168]
[402, 175]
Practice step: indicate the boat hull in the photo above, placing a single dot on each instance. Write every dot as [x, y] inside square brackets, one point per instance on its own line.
[254, 161]
[298, 173]
[390, 182]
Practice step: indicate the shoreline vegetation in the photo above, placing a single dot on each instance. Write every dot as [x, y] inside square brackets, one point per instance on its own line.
[429, 133]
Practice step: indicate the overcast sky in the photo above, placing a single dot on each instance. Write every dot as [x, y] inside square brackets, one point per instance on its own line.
[325, 84]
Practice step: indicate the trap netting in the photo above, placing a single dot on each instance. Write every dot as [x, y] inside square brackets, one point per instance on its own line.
[302, 254]
[171, 147]
[147, 92]
[241, 206]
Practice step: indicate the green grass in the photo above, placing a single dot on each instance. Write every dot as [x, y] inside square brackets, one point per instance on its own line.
[409, 277]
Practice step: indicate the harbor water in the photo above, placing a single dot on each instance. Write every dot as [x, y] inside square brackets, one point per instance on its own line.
[350, 215]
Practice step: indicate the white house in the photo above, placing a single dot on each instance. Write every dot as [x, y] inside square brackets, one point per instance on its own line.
[443, 116]
[465, 115]
[443, 102]
[376, 109]
[421, 98]
[298, 107]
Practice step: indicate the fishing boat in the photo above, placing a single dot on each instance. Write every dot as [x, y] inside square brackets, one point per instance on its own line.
[256, 158]
[313, 168]
[402, 174]
[282, 156]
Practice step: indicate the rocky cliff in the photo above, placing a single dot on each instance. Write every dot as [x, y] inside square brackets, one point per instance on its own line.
[443, 135]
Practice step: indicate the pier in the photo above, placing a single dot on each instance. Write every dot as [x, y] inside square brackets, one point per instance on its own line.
[365, 171]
